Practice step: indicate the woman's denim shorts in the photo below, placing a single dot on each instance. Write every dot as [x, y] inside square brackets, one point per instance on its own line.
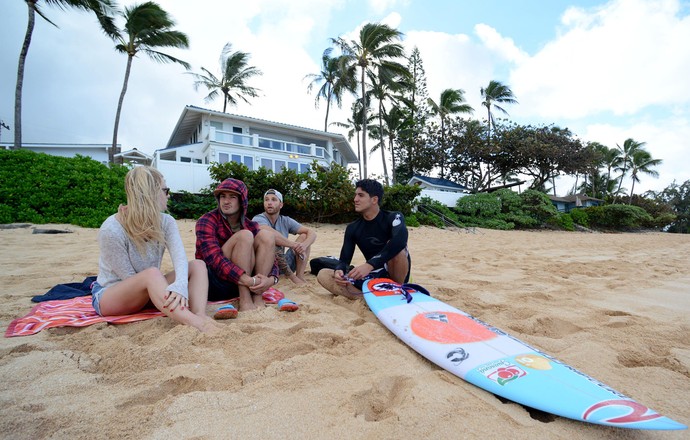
[96, 292]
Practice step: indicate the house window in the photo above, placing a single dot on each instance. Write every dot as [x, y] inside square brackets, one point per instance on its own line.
[217, 125]
[303, 168]
[279, 165]
[237, 158]
[293, 166]
[267, 163]
[223, 157]
[185, 159]
[196, 160]
[249, 162]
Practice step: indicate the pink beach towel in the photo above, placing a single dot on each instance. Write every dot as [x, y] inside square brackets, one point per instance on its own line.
[78, 312]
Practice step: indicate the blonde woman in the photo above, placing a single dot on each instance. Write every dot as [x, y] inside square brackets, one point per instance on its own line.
[132, 244]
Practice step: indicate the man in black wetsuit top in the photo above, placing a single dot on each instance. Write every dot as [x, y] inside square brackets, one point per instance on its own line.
[380, 235]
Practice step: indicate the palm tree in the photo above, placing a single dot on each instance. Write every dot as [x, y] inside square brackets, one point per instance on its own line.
[377, 48]
[147, 27]
[452, 102]
[494, 93]
[335, 82]
[383, 89]
[630, 146]
[641, 161]
[232, 82]
[354, 125]
[102, 9]
[611, 158]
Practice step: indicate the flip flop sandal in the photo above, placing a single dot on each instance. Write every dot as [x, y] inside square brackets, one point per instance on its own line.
[285, 305]
[272, 296]
[226, 312]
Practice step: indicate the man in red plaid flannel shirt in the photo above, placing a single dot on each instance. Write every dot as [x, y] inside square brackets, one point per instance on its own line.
[239, 255]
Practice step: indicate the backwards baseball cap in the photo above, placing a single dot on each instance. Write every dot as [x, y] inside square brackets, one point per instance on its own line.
[276, 193]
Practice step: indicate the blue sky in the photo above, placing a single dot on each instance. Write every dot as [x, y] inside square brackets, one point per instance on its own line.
[607, 70]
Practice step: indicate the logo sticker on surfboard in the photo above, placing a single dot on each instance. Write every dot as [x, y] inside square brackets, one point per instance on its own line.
[501, 372]
[449, 328]
[533, 361]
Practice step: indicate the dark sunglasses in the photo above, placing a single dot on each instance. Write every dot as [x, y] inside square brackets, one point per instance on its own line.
[166, 191]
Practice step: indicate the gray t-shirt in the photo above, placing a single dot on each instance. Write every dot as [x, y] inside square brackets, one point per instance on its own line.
[285, 225]
[120, 258]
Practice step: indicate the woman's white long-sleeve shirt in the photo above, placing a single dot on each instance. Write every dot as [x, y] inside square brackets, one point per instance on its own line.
[120, 258]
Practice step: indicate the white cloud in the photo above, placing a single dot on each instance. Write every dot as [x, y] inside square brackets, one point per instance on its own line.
[620, 58]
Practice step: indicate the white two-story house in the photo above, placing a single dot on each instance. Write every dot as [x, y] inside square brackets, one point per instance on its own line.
[203, 136]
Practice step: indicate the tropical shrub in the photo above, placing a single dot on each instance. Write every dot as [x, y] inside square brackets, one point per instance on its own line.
[537, 205]
[580, 217]
[434, 213]
[617, 216]
[479, 205]
[39, 188]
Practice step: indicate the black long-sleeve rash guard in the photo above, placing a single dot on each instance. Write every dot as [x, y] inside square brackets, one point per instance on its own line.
[379, 239]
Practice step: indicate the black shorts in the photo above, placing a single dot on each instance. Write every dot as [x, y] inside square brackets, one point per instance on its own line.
[219, 290]
[383, 273]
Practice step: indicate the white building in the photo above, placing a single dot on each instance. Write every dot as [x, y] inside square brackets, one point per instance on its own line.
[442, 190]
[203, 136]
[97, 152]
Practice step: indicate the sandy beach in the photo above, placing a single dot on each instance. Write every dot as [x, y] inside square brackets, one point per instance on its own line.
[615, 306]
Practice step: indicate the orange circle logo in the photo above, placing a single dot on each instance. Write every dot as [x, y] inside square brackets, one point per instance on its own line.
[449, 328]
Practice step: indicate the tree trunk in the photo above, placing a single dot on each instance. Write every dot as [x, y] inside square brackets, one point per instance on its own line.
[364, 126]
[20, 75]
[111, 152]
[382, 144]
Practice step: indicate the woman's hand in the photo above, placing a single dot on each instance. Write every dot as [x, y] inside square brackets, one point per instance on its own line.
[175, 300]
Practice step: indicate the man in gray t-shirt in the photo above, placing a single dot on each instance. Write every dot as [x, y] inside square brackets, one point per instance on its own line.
[293, 262]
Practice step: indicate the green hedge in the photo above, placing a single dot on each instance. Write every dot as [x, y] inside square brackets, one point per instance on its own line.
[39, 188]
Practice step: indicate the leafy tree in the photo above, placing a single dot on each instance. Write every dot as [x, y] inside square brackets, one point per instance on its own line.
[543, 153]
[147, 28]
[451, 102]
[415, 111]
[103, 10]
[678, 198]
[376, 50]
[233, 80]
[336, 81]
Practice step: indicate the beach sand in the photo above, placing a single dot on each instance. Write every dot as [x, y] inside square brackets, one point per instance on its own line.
[615, 306]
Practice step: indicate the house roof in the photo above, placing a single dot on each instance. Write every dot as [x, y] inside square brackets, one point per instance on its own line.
[191, 117]
[573, 198]
[438, 183]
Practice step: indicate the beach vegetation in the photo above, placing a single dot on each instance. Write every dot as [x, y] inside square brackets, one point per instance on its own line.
[375, 53]
[617, 217]
[232, 83]
[40, 188]
[335, 82]
[580, 217]
[147, 28]
[102, 9]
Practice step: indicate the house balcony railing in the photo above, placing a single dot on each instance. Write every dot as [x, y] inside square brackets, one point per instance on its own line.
[256, 141]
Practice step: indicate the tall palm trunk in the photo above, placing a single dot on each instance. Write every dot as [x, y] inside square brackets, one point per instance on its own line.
[391, 143]
[328, 108]
[382, 144]
[31, 4]
[111, 152]
[364, 125]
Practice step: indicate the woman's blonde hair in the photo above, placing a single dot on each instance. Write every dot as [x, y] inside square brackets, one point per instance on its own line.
[142, 217]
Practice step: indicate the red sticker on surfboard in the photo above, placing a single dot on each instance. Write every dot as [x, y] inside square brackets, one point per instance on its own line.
[449, 328]
[383, 287]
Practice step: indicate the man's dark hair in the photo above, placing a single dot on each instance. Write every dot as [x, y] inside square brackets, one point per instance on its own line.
[371, 187]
